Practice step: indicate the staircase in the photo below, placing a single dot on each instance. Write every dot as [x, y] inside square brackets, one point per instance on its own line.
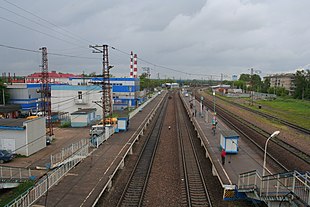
[278, 189]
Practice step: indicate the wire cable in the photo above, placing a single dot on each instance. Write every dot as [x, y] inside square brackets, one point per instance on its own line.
[30, 28]
[51, 23]
[50, 53]
[160, 66]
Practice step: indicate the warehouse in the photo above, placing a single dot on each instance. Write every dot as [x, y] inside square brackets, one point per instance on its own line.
[22, 136]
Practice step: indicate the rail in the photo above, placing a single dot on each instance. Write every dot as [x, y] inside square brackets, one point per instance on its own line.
[131, 142]
[195, 187]
[135, 188]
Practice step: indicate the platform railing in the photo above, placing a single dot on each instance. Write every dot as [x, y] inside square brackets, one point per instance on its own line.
[66, 152]
[282, 186]
[49, 180]
[14, 173]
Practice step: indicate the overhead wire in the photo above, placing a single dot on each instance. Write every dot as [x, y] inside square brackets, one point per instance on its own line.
[38, 23]
[30, 28]
[160, 66]
[47, 21]
[50, 53]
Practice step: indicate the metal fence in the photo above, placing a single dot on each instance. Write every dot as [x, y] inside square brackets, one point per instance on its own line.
[282, 186]
[50, 179]
[14, 173]
[65, 153]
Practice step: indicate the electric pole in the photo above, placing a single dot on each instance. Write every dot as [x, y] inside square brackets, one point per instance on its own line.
[46, 92]
[105, 84]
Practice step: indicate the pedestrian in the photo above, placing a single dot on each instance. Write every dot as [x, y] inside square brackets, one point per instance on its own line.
[223, 155]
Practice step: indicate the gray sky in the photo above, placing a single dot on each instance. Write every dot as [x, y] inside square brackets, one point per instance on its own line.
[198, 37]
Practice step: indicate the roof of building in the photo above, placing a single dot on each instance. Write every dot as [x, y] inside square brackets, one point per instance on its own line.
[16, 124]
[54, 74]
[10, 108]
[84, 111]
[279, 75]
[229, 133]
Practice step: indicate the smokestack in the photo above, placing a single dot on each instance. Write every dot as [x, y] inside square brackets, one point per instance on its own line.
[131, 64]
[135, 67]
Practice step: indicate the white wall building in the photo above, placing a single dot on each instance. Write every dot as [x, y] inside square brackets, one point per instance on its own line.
[23, 136]
[82, 94]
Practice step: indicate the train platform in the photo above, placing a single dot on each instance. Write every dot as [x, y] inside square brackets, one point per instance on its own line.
[244, 160]
[86, 182]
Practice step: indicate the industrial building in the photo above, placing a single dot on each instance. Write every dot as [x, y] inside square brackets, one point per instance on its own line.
[23, 136]
[26, 95]
[87, 92]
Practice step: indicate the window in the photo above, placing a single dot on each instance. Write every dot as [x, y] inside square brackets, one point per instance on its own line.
[79, 94]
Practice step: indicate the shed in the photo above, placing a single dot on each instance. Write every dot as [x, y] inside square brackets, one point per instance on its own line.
[229, 141]
[23, 136]
[83, 117]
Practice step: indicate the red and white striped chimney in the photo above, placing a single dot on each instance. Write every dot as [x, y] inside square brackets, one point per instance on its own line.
[131, 65]
[135, 67]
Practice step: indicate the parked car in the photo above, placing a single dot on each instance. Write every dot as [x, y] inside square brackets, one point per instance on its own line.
[5, 156]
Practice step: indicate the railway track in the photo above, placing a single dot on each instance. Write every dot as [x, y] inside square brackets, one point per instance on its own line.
[194, 190]
[271, 117]
[136, 186]
[258, 137]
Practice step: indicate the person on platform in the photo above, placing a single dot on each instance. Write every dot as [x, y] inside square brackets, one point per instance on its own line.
[223, 155]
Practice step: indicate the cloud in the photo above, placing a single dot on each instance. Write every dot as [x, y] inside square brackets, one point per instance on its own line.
[202, 36]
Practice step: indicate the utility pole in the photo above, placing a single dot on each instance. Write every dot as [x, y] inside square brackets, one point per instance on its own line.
[147, 69]
[46, 92]
[105, 84]
[252, 94]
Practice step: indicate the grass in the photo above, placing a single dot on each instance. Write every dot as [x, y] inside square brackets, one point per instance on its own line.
[8, 197]
[292, 110]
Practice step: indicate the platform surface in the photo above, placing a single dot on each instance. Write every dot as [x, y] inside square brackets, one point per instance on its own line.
[82, 185]
[245, 160]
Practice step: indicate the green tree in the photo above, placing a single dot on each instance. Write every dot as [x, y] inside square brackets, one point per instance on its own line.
[245, 77]
[302, 84]
[265, 85]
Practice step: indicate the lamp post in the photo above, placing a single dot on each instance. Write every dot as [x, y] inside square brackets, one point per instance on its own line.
[214, 102]
[271, 136]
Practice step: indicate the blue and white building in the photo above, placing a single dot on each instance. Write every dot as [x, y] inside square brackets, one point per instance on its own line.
[83, 93]
[26, 95]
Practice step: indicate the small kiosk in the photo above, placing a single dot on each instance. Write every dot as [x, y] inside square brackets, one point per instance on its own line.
[229, 141]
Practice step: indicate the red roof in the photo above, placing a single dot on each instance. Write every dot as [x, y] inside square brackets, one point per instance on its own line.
[54, 74]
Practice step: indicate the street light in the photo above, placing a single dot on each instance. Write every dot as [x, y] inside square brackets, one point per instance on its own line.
[271, 136]
[214, 102]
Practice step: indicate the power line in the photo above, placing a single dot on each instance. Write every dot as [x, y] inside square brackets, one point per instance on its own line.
[37, 31]
[51, 23]
[38, 23]
[50, 53]
[164, 67]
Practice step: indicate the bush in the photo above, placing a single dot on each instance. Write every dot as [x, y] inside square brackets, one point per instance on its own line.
[15, 193]
[65, 124]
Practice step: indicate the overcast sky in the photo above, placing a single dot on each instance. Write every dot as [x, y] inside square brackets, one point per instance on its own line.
[199, 38]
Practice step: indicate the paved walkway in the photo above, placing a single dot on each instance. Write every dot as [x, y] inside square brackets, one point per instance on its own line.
[82, 185]
[245, 160]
